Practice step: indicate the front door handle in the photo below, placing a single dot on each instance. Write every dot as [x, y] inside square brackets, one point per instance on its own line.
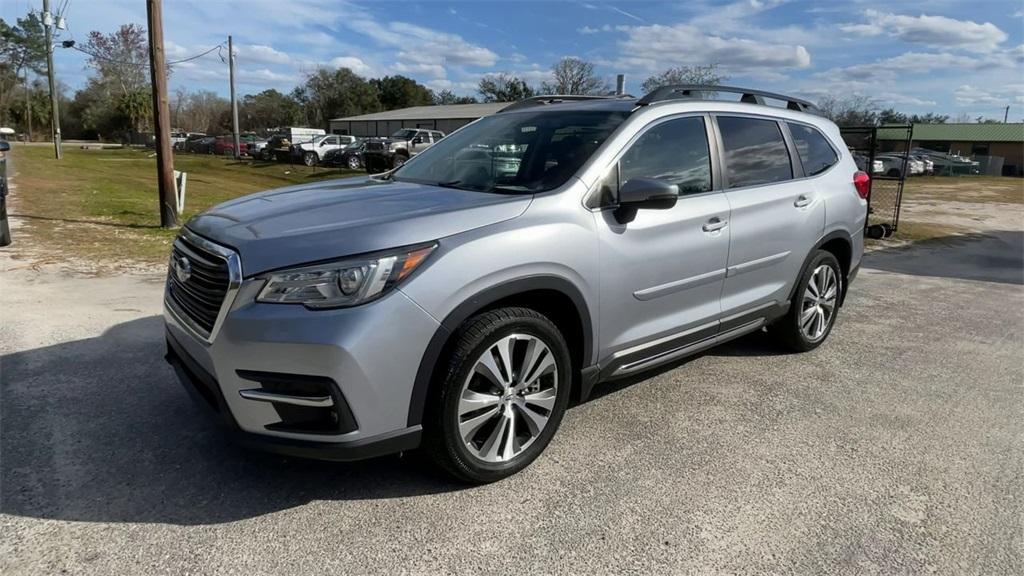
[802, 201]
[713, 224]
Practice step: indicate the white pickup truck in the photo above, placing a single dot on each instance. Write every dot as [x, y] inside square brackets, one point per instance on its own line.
[313, 152]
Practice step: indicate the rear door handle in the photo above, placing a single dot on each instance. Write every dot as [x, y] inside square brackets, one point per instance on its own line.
[713, 224]
[802, 201]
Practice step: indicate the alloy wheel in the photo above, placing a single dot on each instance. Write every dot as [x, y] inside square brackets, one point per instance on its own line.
[508, 398]
[819, 302]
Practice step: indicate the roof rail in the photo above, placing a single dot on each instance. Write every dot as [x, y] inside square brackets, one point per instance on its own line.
[698, 91]
[546, 99]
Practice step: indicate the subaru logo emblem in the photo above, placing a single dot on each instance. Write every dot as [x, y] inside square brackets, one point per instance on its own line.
[182, 269]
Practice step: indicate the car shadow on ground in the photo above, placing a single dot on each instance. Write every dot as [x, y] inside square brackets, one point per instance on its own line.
[996, 256]
[99, 430]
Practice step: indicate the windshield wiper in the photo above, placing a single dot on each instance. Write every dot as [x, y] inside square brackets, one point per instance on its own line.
[510, 190]
[450, 184]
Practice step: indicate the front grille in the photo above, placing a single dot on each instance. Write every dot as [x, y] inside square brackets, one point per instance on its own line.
[197, 283]
[374, 146]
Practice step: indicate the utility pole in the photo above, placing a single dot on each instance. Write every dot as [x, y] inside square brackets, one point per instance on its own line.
[55, 112]
[234, 102]
[161, 117]
[28, 108]
[1006, 115]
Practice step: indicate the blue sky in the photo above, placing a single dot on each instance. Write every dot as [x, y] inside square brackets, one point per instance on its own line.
[950, 56]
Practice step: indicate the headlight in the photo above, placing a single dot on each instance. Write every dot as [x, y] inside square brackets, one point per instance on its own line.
[347, 282]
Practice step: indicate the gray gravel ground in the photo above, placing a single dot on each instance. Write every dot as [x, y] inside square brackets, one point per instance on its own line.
[896, 448]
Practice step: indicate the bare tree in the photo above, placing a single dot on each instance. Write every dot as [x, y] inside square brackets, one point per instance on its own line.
[850, 110]
[706, 75]
[574, 76]
[503, 88]
[121, 60]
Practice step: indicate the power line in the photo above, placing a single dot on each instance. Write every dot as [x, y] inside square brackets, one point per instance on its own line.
[101, 57]
[217, 47]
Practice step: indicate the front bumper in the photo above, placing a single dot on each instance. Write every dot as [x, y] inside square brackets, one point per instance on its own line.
[369, 354]
[204, 389]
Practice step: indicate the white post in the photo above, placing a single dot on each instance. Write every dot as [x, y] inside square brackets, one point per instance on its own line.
[180, 181]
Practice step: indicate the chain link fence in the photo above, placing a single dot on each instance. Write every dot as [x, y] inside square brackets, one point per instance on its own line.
[888, 167]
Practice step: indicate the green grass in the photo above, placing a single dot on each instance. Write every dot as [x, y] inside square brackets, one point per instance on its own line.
[102, 205]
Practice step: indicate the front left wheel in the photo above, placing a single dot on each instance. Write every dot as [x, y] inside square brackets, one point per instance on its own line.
[502, 397]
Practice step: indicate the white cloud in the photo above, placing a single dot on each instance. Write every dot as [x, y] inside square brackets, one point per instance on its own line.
[919, 64]
[967, 95]
[655, 47]
[589, 30]
[930, 30]
[260, 54]
[354, 64]
[264, 77]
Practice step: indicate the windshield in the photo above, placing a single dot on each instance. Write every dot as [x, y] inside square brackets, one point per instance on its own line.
[404, 134]
[519, 152]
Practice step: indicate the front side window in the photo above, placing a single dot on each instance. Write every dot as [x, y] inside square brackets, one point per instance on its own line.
[675, 152]
[529, 151]
[816, 154]
[404, 134]
[755, 152]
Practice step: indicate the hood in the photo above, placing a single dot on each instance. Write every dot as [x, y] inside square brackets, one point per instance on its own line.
[338, 218]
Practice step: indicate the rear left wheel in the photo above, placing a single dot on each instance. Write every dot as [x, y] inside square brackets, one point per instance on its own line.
[814, 307]
[502, 397]
[309, 158]
[354, 163]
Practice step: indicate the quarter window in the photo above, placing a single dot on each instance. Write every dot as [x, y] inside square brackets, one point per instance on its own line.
[675, 151]
[755, 152]
[816, 154]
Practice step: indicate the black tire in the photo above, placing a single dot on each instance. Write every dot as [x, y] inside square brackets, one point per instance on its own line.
[788, 328]
[442, 440]
[893, 172]
[354, 163]
[398, 160]
[310, 159]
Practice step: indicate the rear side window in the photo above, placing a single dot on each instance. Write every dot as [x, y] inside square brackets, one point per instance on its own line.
[755, 152]
[816, 154]
[675, 151]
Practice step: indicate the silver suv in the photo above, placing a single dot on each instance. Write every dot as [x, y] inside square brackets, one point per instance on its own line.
[458, 302]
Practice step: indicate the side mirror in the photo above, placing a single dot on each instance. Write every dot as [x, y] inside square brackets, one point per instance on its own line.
[5, 146]
[417, 140]
[644, 193]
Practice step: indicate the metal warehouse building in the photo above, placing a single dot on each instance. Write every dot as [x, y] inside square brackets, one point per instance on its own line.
[978, 141]
[446, 118]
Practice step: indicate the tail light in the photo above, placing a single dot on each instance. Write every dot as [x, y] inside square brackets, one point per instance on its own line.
[862, 182]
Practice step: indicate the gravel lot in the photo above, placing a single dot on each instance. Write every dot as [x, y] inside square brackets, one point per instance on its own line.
[896, 448]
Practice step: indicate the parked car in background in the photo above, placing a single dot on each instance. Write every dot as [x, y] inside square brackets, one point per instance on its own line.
[200, 145]
[225, 145]
[893, 165]
[384, 154]
[256, 146]
[349, 156]
[178, 138]
[284, 143]
[862, 164]
[948, 164]
[459, 306]
[313, 152]
[929, 166]
[181, 141]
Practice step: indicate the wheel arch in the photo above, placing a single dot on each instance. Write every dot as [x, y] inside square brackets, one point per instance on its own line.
[840, 244]
[557, 298]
